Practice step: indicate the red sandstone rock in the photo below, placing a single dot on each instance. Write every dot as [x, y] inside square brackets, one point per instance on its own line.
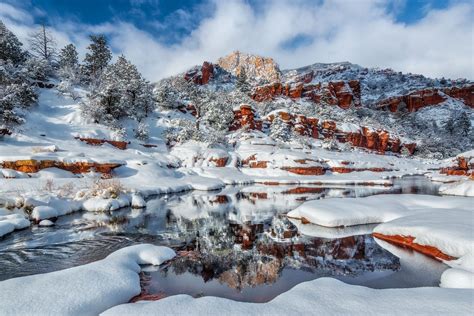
[407, 241]
[427, 97]
[201, 76]
[33, 166]
[97, 142]
[307, 171]
[340, 93]
[219, 162]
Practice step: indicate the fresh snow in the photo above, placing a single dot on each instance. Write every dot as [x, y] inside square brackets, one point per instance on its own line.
[324, 296]
[85, 290]
[461, 188]
[374, 209]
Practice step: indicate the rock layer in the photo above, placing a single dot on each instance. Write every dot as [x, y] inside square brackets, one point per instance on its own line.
[33, 166]
[341, 93]
[416, 100]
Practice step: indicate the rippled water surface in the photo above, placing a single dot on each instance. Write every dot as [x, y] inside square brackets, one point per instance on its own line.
[233, 243]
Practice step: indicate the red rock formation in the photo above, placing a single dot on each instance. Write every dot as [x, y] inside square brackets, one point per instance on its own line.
[33, 166]
[97, 142]
[407, 242]
[200, 76]
[306, 171]
[427, 97]
[341, 93]
[219, 162]
[245, 117]
[460, 168]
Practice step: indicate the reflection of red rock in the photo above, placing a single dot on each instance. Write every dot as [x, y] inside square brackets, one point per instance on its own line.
[33, 166]
[407, 241]
[97, 142]
[200, 76]
[303, 190]
[341, 93]
[428, 97]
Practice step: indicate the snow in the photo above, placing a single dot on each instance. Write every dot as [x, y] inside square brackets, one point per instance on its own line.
[457, 278]
[46, 223]
[10, 221]
[85, 290]
[324, 296]
[373, 209]
[462, 188]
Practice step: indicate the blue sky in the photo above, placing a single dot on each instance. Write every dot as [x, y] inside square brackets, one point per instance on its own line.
[164, 37]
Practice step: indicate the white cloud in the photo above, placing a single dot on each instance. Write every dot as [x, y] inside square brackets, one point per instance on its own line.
[362, 32]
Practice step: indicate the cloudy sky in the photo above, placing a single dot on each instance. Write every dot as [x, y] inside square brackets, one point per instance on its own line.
[431, 37]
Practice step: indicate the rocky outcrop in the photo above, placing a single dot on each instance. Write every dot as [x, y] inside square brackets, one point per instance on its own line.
[97, 142]
[360, 136]
[245, 117]
[306, 171]
[201, 75]
[462, 166]
[219, 162]
[378, 140]
[33, 166]
[341, 93]
[255, 67]
[408, 242]
[427, 97]
[305, 126]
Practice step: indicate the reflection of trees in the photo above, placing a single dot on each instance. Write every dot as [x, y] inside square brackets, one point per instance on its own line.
[247, 255]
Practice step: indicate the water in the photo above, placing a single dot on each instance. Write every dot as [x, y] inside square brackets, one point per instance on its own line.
[233, 243]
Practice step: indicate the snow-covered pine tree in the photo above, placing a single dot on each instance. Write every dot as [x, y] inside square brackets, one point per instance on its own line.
[242, 82]
[97, 58]
[463, 124]
[449, 126]
[69, 71]
[280, 130]
[10, 47]
[122, 92]
[217, 112]
[68, 57]
[16, 92]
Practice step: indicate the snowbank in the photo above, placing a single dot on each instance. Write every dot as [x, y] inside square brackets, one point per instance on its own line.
[462, 188]
[324, 296]
[373, 209]
[85, 290]
[450, 232]
[10, 221]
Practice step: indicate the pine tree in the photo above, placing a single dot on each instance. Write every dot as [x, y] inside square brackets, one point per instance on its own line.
[10, 46]
[218, 112]
[463, 124]
[122, 92]
[43, 45]
[280, 130]
[97, 58]
[68, 57]
[16, 91]
[242, 85]
[449, 126]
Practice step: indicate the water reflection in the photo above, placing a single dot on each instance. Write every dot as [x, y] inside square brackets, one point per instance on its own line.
[234, 243]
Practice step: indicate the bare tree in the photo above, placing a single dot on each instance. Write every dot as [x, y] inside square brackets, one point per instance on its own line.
[43, 44]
